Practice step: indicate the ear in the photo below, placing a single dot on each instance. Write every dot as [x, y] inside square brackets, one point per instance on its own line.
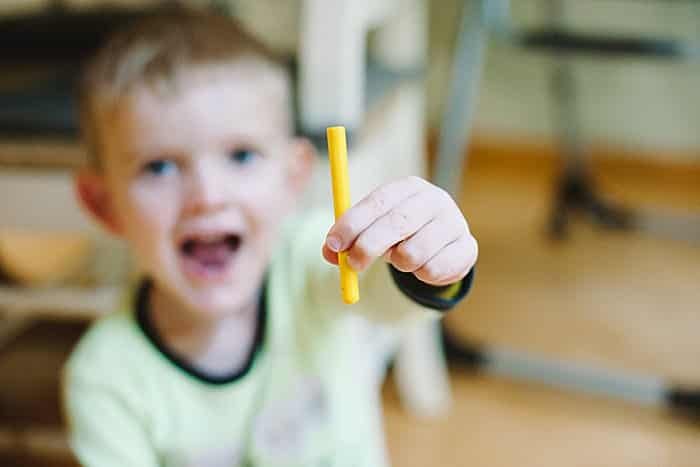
[91, 189]
[301, 164]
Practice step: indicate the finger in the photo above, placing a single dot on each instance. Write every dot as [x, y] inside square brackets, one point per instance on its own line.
[330, 255]
[369, 209]
[395, 226]
[451, 264]
[412, 253]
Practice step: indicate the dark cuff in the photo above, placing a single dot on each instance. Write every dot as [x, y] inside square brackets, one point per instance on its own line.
[431, 296]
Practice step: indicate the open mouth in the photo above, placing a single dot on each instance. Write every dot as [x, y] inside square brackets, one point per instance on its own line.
[211, 255]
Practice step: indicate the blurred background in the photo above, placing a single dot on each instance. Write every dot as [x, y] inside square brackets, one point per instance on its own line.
[567, 130]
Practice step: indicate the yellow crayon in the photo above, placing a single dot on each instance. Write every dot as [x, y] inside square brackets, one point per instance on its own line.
[338, 156]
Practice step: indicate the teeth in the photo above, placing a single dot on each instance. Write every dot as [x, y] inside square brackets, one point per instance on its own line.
[210, 238]
[206, 237]
[232, 239]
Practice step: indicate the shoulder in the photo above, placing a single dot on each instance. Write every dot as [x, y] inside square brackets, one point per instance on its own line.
[302, 237]
[309, 225]
[107, 349]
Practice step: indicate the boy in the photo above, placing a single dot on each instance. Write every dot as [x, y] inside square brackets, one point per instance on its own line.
[236, 349]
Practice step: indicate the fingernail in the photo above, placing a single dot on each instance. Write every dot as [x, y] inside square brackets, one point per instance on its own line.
[333, 243]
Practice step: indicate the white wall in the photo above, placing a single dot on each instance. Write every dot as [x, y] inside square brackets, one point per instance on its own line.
[629, 102]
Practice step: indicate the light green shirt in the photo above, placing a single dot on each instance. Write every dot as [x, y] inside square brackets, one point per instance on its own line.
[310, 397]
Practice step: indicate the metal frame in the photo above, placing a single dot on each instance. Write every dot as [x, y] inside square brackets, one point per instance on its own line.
[480, 18]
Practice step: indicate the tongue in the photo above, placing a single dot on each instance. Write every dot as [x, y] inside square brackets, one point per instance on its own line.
[211, 254]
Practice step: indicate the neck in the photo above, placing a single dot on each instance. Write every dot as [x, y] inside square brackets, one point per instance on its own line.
[216, 345]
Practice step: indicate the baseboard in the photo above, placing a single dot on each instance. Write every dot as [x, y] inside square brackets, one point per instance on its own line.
[485, 149]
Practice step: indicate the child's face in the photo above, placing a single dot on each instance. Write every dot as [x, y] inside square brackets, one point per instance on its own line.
[198, 182]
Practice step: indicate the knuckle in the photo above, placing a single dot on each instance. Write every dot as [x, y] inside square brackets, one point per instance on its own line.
[474, 247]
[363, 248]
[349, 226]
[409, 255]
[414, 179]
[343, 230]
[377, 200]
[342, 225]
[445, 199]
[356, 260]
[461, 227]
[433, 270]
[359, 250]
[399, 221]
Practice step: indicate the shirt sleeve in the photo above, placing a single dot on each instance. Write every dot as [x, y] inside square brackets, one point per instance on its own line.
[104, 427]
[441, 298]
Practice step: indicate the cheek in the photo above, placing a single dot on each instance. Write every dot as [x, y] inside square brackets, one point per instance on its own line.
[267, 201]
[150, 211]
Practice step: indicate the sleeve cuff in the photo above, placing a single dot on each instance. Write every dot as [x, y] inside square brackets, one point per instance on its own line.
[441, 298]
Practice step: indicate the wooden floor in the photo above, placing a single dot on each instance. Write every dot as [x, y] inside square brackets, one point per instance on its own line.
[623, 301]
[617, 300]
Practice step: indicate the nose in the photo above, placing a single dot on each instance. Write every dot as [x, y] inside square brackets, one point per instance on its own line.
[207, 191]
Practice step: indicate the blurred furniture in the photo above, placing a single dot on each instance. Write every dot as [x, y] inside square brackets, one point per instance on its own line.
[484, 19]
[44, 214]
[40, 216]
[41, 55]
[39, 58]
[575, 193]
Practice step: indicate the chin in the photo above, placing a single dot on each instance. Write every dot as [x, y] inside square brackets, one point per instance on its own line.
[222, 301]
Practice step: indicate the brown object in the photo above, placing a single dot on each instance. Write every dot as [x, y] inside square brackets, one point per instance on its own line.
[42, 258]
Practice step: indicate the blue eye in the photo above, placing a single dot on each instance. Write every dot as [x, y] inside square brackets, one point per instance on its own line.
[243, 156]
[159, 167]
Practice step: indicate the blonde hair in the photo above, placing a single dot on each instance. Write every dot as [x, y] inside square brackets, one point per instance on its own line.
[152, 52]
